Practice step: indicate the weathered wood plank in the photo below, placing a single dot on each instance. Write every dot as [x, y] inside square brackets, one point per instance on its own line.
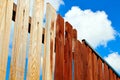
[95, 67]
[100, 72]
[20, 40]
[34, 58]
[49, 43]
[106, 72]
[6, 7]
[59, 60]
[68, 52]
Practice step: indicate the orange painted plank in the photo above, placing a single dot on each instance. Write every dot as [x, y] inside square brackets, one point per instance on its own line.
[90, 65]
[118, 78]
[68, 52]
[59, 60]
[100, 73]
[95, 67]
[106, 72]
[80, 61]
[111, 74]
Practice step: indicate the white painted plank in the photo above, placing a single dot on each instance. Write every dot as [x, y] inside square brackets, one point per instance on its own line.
[34, 57]
[5, 24]
[20, 41]
[49, 43]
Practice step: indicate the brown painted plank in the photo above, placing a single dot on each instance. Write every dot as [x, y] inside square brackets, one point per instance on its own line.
[6, 7]
[59, 60]
[20, 41]
[90, 64]
[49, 43]
[95, 67]
[114, 76]
[68, 52]
[87, 61]
[111, 74]
[106, 72]
[80, 67]
[100, 73]
[34, 58]
[75, 50]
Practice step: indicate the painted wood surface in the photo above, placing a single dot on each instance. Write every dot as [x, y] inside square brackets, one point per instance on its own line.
[20, 40]
[34, 58]
[100, 76]
[6, 7]
[111, 74]
[106, 72]
[95, 67]
[68, 52]
[59, 59]
[49, 43]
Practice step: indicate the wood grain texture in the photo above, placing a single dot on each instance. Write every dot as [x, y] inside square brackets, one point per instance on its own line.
[100, 73]
[6, 7]
[34, 58]
[59, 59]
[90, 64]
[106, 72]
[49, 43]
[20, 40]
[95, 67]
[68, 52]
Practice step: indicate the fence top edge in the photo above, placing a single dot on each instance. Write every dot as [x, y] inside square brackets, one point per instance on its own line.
[104, 61]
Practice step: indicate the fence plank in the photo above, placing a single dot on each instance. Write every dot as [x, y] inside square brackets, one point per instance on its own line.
[111, 74]
[100, 73]
[49, 43]
[118, 78]
[5, 25]
[68, 52]
[59, 61]
[20, 41]
[106, 72]
[95, 67]
[90, 64]
[80, 66]
[34, 58]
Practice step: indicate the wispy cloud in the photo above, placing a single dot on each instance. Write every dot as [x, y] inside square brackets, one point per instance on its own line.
[114, 60]
[95, 27]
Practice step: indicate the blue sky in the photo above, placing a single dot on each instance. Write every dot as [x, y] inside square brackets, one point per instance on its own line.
[97, 21]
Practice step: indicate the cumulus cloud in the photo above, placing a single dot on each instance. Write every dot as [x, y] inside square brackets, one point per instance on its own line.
[114, 60]
[95, 27]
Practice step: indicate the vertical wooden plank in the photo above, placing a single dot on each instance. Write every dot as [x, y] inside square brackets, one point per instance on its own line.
[80, 67]
[68, 52]
[110, 74]
[6, 7]
[59, 60]
[114, 76]
[90, 65]
[95, 67]
[84, 53]
[34, 57]
[87, 62]
[100, 77]
[75, 54]
[20, 41]
[49, 43]
[106, 72]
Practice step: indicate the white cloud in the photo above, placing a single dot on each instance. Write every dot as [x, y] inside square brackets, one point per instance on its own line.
[95, 27]
[114, 60]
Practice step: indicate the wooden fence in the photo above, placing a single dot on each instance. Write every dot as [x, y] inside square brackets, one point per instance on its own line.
[65, 57]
